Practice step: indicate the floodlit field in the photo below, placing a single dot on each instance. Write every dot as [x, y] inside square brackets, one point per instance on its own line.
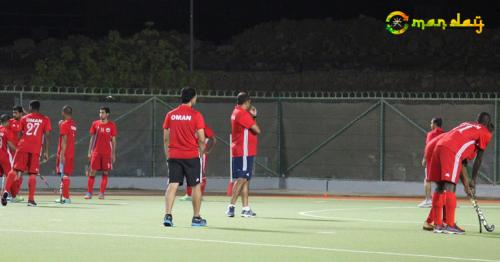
[129, 228]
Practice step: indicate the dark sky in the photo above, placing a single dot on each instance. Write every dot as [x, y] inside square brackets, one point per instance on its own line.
[215, 20]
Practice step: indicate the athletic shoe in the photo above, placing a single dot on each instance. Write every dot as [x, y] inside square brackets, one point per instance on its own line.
[4, 198]
[31, 203]
[198, 222]
[17, 199]
[230, 211]
[9, 198]
[439, 229]
[248, 213]
[425, 204]
[454, 230]
[63, 201]
[101, 196]
[88, 195]
[427, 226]
[168, 221]
[185, 198]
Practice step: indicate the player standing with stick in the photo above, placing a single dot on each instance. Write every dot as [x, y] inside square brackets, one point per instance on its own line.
[184, 142]
[102, 151]
[244, 149]
[35, 129]
[6, 144]
[15, 127]
[65, 152]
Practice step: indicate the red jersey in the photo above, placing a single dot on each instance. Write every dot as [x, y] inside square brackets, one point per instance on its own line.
[15, 127]
[433, 133]
[5, 136]
[183, 122]
[67, 128]
[244, 142]
[103, 135]
[209, 133]
[466, 139]
[33, 128]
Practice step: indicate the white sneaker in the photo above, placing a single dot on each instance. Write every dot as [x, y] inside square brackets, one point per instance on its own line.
[425, 204]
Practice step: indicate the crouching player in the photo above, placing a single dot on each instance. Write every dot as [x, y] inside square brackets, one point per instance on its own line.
[210, 142]
[465, 142]
[66, 152]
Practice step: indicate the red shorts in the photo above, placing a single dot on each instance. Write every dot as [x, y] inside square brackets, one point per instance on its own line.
[67, 168]
[5, 166]
[445, 166]
[100, 162]
[27, 162]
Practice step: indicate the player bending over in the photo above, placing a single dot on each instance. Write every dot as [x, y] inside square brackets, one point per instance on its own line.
[102, 151]
[35, 129]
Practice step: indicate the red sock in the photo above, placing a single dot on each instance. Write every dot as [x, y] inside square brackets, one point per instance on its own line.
[104, 183]
[203, 185]
[437, 208]
[450, 206]
[430, 217]
[189, 190]
[10, 181]
[16, 187]
[90, 184]
[31, 187]
[65, 187]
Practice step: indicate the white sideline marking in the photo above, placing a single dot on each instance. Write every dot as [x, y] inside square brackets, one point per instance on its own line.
[341, 250]
[308, 214]
[327, 232]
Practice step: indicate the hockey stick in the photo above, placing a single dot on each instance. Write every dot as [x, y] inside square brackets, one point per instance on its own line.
[481, 217]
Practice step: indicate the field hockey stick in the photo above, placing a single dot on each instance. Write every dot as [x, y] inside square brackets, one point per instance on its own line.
[61, 169]
[45, 180]
[482, 219]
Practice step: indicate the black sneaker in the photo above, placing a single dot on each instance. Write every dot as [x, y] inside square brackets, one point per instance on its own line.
[230, 211]
[248, 213]
[198, 222]
[5, 195]
[31, 203]
[168, 221]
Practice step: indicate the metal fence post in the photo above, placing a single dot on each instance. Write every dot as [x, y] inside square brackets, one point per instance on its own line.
[279, 134]
[382, 140]
[153, 133]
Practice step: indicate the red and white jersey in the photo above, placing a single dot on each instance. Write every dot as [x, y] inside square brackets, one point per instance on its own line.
[15, 127]
[183, 122]
[433, 133]
[103, 135]
[244, 142]
[33, 128]
[465, 139]
[67, 128]
[5, 136]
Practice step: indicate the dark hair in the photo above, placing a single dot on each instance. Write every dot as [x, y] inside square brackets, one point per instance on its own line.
[242, 98]
[187, 94]
[106, 109]
[4, 118]
[68, 110]
[35, 105]
[438, 121]
[484, 118]
[18, 109]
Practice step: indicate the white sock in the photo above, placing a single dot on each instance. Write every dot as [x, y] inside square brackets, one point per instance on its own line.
[231, 205]
[246, 208]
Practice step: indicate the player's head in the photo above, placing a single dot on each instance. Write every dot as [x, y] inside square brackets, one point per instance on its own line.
[67, 112]
[484, 119]
[17, 112]
[436, 122]
[4, 119]
[188, 95]
[243, 100]
[104, 112]
[34, 106]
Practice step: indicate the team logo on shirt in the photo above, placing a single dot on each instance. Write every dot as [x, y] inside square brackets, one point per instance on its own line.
[108, 130]
[181, 117]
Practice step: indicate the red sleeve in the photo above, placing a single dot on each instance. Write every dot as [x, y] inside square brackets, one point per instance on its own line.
[428, 138]
[22, 125]
[209, 133]
[64, 129]
[10, 136]
[166, 122]
[245, 119]
[48, 125]
[200, 122]
[114, 130]
[92, 128]
[484, 139]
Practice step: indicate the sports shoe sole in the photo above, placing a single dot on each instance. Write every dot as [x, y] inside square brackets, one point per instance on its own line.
[198, 225]
[168, 223]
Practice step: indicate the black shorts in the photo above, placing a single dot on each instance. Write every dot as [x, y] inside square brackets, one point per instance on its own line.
[188, 168]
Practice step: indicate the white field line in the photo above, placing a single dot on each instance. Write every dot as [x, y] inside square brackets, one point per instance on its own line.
[241, 243]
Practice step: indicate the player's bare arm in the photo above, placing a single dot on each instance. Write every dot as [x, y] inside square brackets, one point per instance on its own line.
[475, 169]
[210, 145]
[464, 177]
[63, 148]
[166, 141]
[11, 146]
[46, 145]
[91, 142]
[201, 140]
[113, 154]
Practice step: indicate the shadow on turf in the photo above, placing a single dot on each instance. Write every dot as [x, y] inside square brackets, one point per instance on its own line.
[302, 219]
